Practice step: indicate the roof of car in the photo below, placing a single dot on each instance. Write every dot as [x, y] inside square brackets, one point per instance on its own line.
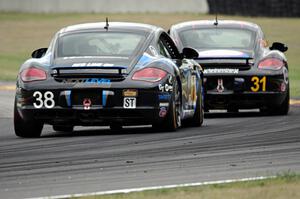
[221, 23]
[112, 25]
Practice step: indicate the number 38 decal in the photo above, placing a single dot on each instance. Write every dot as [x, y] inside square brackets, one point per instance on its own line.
[46, 100]
[258, 83]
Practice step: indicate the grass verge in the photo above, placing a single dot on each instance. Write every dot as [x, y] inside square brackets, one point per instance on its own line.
[22, 33]
[281, 187]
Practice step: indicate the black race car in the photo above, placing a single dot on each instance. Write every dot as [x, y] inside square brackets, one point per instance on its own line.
[240, 70]
[110, 74]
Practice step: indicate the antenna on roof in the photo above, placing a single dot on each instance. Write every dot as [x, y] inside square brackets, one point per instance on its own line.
[216, 7]
[106, 25]
[216, 22]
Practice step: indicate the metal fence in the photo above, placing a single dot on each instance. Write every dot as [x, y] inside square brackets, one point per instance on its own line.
[274, 8]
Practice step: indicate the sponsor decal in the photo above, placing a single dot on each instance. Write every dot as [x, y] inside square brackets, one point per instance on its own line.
[91, 64]
[97, 81]
[102, 57]
[130, 93]
[164, 96]
[162, 112]
[87, 103]
[165, 87]
[220, 87]
[129, 102]
[164, 104]
[221, 70]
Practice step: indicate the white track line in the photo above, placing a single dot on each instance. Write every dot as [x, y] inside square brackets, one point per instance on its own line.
[155, 188]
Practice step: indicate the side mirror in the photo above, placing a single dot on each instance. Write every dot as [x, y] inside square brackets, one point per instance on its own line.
[39, 53]
[279, 46]
[189, 53]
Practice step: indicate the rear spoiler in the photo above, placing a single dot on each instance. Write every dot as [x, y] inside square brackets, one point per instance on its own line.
[88, 71]
[237, 60]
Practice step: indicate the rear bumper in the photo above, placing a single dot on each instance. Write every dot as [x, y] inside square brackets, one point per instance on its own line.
[104, 109]
[242, 92]
[92, 117]
[246, 100]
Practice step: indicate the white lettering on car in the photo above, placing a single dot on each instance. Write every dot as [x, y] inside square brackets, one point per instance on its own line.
[129, 102]
[46, 100]
[221, 70]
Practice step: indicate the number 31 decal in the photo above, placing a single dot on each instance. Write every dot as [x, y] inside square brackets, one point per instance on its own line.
[43, 100]
[258, 83]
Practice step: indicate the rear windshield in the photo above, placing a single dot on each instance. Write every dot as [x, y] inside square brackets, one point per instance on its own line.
[218, 38]
[114, 44]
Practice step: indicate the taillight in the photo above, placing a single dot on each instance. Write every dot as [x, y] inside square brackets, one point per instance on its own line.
[149, 74]
[33, 74]
[271, 63]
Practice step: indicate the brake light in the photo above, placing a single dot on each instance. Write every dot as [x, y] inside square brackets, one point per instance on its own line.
[33, 74]
[149, 74]
[271, 64]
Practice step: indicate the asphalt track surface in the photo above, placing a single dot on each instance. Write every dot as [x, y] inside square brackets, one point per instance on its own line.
[227, 146]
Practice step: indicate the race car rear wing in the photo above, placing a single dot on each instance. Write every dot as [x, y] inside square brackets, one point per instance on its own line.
[226, 59]
[89, 72]
[242, 63]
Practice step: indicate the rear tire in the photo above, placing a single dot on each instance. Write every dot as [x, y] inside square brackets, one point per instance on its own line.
[173, 118]
[61, 128]
[282, 109]
[29, 128]
[197, 119]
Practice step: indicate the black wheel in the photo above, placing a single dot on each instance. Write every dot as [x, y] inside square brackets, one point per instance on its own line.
[282, 109]
[285, 106]
[173, 118]
[197, 119]
[62, 128]
[28, 128]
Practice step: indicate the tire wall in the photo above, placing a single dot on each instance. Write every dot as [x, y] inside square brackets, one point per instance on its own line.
[269, 8]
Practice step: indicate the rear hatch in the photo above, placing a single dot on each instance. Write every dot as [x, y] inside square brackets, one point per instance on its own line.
[87, 80]
[224, 61]
[222, 70]
[84, 69]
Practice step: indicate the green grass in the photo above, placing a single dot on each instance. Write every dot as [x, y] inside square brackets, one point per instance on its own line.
[281, 187]
[22, 33]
